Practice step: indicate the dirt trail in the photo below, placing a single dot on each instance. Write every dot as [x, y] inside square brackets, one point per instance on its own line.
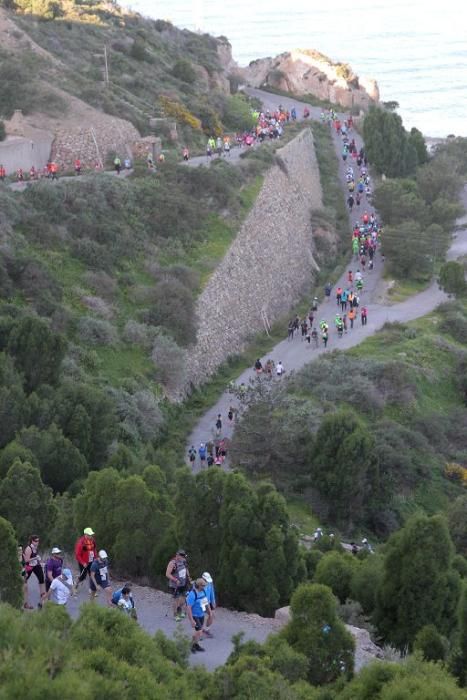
[155, 613]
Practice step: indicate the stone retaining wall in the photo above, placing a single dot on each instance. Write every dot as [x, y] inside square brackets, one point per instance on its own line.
[92, 142]
[269, 266]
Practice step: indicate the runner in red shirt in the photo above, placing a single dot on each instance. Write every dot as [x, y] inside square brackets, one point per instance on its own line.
[85, 553]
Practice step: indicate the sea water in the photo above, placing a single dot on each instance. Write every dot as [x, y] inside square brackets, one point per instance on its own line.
[415, 49]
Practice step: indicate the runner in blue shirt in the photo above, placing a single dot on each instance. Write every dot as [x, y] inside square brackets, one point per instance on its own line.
[197, 606]
[211, 596]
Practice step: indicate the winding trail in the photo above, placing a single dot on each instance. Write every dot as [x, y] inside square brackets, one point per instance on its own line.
[153, 605]
[295, 354]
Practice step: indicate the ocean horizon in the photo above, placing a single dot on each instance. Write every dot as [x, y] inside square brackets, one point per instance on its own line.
[417, 52]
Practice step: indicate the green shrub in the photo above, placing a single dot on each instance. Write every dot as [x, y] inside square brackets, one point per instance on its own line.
[431, 644]
[335, 569]
[183, 70]
[95, 331]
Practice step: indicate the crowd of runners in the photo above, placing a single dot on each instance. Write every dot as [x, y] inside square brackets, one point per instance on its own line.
[194, 599]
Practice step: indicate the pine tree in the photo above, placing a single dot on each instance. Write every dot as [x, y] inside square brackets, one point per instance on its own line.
[26, 502]
[316, 631]
[11, 582]
[419, 585]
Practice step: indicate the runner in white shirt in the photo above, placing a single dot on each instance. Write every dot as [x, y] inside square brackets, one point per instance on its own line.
[280, 369]
[60, 588]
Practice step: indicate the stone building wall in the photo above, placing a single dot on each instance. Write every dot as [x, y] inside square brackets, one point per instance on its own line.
[268, 267]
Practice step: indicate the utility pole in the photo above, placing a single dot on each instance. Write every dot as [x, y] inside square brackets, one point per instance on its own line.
[106, 73]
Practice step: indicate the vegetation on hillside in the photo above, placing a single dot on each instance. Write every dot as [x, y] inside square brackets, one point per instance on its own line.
[147, 61]
[419, 203]
[364, 437]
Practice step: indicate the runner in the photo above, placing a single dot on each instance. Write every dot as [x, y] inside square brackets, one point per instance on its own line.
[258, 366]
[2, 173]
[218, 425]
[61, 588]
[77, 167]
[85, 553]
[364, 315]
[192, 455]
[280, 369]
[211, 596]
[53, 567]
[202, 453]
[197, 606]
[339, 296]
[99, 577]
[351, 316]
[314, 337]
[186, 154]
[178, 576]
[117, 165]
[123, 599]
[325, 336]
[32, 563]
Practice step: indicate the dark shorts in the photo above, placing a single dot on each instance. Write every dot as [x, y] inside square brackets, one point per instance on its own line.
[177, 592]
[199, 622]
[38, 571]
[103, 585]
[83, 571]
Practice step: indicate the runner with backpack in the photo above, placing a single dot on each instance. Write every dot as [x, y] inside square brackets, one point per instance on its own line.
[178, 576]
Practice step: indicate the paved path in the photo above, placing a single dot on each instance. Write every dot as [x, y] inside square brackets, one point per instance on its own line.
[24, 184]
[295, 354]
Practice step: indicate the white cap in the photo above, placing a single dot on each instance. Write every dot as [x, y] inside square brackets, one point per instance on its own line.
[207, 577]
[68, 575]
[103, 554]
[56, 550]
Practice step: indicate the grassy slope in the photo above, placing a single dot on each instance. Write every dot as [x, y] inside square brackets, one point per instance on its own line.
[141, 55]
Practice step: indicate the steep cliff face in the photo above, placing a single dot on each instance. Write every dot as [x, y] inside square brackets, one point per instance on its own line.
[309, 72]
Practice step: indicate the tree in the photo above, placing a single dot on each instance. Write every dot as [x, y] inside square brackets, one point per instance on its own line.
[387, 144]
[132, 519]
[11, 582]
[13, 408]
[413, 680]
[243, 534]
[37, 351]
[26, 502]
[87, 418]
[343, 465]
[416, 139]
[419, 585]
[237, 114]
[316, 632]
[408, 250]
[366, 580]
[452, 278]
[60, 462]
[183, 69]
[430, 643]
[335, 570]
[457, 521]
[458, 662]
[398, 200]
